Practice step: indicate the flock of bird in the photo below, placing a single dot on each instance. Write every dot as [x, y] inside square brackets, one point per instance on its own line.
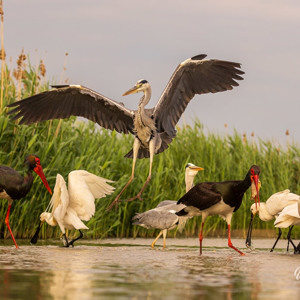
[153, 129]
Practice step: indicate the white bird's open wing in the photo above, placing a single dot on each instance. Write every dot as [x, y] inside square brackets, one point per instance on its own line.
[84, 188]
[60, 199]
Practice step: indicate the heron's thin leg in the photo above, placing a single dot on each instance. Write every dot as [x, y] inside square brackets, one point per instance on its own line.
[136, 146]
[153, 243]
[80, 236]
[7, 224]
[164, 235]
[279, 235]
[151, 150]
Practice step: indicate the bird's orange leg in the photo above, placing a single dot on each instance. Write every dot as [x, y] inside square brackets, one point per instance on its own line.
[7, 224]
[230, 244]
[201, 236]
[153, 243]
[136, 146]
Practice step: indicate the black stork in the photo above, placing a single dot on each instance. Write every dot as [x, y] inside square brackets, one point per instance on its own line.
[219, 198]
[14, 186]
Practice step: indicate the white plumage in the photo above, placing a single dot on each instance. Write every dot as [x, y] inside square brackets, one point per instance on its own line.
[289, 216]
[274, 207]
[70, 206]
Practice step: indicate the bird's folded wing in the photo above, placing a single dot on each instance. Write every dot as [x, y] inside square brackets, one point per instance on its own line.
[193, 76]
[287, 217]
[74, 100]
[201, 196]
[277, 202]
[84, 188]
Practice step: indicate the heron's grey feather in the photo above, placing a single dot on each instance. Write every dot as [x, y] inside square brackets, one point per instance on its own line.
[163, 217]
[193, 76]
[65, 101]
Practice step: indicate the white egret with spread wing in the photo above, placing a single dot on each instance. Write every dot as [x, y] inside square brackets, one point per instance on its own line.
[153, 128]
[70, 206]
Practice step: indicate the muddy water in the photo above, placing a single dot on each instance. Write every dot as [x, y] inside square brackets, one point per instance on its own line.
[130, 269]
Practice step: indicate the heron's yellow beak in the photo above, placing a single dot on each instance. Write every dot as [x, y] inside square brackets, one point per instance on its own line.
[196, 168]
[131, 91]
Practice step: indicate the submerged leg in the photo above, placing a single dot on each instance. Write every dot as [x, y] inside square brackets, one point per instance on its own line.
[136, 146]
[153, 243]
[230, 243]
[7, 224]
[151, 150]
[279, 235]
[78, 238]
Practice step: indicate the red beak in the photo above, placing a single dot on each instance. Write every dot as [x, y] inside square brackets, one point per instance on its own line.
[255, 178]
[38, 170]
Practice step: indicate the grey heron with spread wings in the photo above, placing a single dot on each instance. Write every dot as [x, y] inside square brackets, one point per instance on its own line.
[153, 128]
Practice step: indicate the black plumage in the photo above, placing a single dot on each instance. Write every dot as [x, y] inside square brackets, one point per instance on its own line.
[14, 186]
[222, 198]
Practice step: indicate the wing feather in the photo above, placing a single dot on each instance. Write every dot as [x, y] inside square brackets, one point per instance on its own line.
[84, 188]
[60, 199]
[65, 101]
[193, 76]
[202, 196]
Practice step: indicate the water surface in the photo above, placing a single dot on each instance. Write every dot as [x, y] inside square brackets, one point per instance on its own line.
[130, 269]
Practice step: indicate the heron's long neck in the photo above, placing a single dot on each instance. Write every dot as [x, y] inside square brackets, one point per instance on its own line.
[145, 99]
[143, 102]
[189, 182]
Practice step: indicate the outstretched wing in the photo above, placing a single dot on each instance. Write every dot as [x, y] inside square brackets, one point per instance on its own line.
[84, 188]
[74, 100]
[60, 199]
[195, 75]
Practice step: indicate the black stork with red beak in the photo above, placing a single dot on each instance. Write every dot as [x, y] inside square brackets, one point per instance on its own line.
[14, 186]
[219, 198]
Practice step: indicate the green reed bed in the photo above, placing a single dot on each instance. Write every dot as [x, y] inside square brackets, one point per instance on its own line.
[74, 144]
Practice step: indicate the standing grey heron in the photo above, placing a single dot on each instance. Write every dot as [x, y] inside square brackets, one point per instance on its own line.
[153, 128]
[163, 216]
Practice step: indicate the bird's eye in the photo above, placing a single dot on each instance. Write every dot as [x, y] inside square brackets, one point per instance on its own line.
[37, 161]
[252, 171]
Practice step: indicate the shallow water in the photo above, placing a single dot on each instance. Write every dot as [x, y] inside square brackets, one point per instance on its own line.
[130, 269]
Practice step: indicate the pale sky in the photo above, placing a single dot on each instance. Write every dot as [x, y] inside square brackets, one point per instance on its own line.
[113, 44]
